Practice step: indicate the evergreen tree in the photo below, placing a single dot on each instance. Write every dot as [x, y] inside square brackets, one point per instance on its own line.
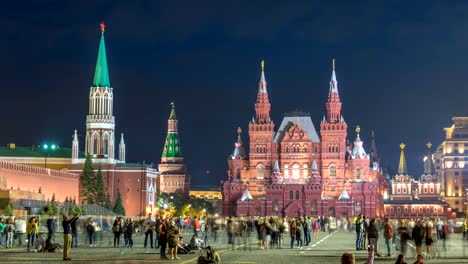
[118, 206]
[108, 204]
[100, 191]
[9, 209]
[87, 181]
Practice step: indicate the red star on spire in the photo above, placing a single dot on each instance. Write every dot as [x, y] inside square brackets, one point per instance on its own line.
[103, 26]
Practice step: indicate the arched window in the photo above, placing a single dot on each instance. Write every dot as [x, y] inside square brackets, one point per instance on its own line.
[95, 144]
[287, 148]
[305, 148]
[296, 171]
[313, 207]
[358, 174]
[305, 172]
[332, 172]
[286, 171]
[274, 207]
[291, 195]
[260, 170]
[297, 195]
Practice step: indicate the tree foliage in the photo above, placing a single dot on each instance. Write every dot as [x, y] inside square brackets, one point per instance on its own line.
[118, 206]
[181, 204]
[108, 203]
[100, 190]
[9, 209]
[87, 181]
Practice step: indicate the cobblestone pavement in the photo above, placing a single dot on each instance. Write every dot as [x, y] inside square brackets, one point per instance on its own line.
[326, 248]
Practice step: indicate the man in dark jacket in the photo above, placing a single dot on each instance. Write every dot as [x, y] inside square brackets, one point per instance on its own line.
[51, 226]
[163, 233]
[373, 235]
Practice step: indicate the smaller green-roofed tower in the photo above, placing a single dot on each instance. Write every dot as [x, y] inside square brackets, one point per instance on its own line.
[172, 147]
[172, 170]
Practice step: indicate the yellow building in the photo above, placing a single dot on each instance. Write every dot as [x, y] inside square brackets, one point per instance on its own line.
[452, 164]
[215, 197]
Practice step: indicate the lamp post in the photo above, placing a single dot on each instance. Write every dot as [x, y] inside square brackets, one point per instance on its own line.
[47, 149]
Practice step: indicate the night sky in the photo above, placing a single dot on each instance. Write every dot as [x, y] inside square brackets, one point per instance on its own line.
[401, 67]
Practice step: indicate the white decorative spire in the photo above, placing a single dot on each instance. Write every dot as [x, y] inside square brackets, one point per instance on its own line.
[122, 148]
[276, 166]
[358, 150]
[344, 195]
[262, 85]
[333, 81]
[246, 196]
[75, 147]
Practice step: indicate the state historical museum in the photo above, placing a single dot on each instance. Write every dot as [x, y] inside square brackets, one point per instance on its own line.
[295, 171]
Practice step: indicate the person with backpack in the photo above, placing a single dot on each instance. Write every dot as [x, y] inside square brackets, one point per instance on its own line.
[388, 235]
[117, 230]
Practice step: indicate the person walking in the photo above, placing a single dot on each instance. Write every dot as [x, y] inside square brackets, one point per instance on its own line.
[148, 226]
[51, 226]
[299, 234]
[388, 235]
[91, 229]
[67, 237]
[417, 234]
[292, 231]
[429, 240]
[307, 227]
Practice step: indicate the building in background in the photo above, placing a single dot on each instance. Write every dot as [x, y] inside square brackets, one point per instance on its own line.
[215, 197]
[292, 171]
[411, 198]
[172, 170]
[451, 163]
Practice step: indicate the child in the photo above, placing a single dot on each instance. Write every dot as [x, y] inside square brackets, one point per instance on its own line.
[419, 260]
[370, 258]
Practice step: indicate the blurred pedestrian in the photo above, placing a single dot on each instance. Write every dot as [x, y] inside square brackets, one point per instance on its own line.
[67, 237]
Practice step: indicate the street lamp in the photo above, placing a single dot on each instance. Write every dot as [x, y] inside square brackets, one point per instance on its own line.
[47, 149]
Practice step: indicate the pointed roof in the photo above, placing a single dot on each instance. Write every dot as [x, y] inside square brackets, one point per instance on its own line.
[276, 166]
[75, 136]
[304, 121]
[402, 169]
[173, 114]
[428, 163]
[101, 74]
[314, 166]
[172, 147]
[246, 196]
[373, 149]
[358, 150]
[122, 142]
[262, 85]
[344, 195]
[239, 151]
[333, 81]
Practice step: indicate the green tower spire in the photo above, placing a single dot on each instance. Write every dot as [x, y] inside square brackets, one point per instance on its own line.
[172, 147]
[101, 74]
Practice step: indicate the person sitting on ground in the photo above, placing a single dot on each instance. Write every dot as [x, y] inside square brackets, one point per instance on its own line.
[51, 246]
[196, 243]
[39, 244]
[401, 259]
[419, 260]
[212, 255]
[347, 258]
[183, 248]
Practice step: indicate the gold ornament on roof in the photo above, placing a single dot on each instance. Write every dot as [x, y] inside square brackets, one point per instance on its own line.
[172, 104]
[333, 64]
[358, 129]
[429, 145]
[263, 65]
[402, 146]
[239, 130]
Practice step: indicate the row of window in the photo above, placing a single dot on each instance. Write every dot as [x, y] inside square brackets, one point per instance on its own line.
[298, 148]
[413, 210]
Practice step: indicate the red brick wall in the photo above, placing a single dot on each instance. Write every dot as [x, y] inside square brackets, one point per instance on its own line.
[30, 178]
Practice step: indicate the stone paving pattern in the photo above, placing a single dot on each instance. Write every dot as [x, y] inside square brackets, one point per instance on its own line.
[325, 249]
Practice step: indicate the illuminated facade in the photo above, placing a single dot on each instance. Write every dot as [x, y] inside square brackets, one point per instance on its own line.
[293, 171]
[410, 198]
[451, 159]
